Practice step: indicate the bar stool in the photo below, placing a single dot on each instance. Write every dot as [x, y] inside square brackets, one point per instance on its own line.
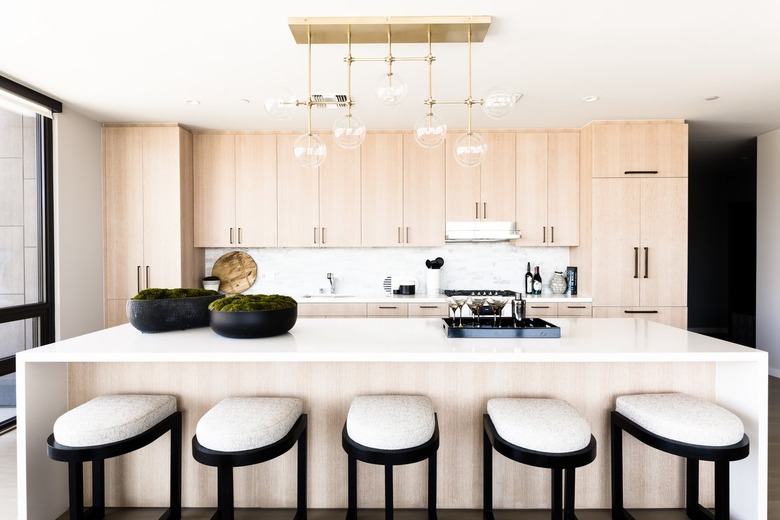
[390, 430]
[242, 431]
[109, 426]
[685, 426]
[545, 433]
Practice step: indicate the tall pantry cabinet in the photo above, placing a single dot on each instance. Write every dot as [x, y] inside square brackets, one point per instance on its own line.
[147, 213]
[637, 207]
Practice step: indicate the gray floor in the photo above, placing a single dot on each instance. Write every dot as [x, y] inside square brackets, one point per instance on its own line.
[8, 505]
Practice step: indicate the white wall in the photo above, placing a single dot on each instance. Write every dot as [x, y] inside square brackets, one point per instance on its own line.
[78, 225]
[361, 271]
[768, 249]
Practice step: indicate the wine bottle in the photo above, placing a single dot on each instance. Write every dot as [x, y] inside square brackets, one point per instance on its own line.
[529, 280]
[537, 281]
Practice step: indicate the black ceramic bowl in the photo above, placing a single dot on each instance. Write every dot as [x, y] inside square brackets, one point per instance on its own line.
[253, 324]
[169, 314]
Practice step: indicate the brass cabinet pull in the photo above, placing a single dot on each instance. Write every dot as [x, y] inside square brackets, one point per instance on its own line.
[552, 234]
[315, 235]
[138, 278]
[484, 210]
[231, 236]
[646, 255]
[544, 234]
[239, 235]
[322, 236]
[407, 235]
[147, 277]
[476, 210]
[641, 312]
[636, 262]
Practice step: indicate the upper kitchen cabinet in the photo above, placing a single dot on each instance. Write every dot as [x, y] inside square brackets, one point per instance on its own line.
[547, 194]
[640, 149]
[487, 191]
[235, 190]
[148, 207]
[402, 188]
[318, 207]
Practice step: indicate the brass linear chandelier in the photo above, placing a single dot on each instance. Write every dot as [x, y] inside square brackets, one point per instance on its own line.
[430, 130]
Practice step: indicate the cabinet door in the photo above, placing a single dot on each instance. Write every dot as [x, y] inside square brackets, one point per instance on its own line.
[340, 197]
[497, 177]
[162, 207]
[255, 191]
[531, 170]
[382, 178]
[423, 194]
[423, 310]
[124, 228]
[616, 242]
[660, 150]
[462, 187]
[664, 238]
[538, 310]
[563, 189]
[214, 167]
[672, 316]
[298, 198]
[575, 309]
[387, 310]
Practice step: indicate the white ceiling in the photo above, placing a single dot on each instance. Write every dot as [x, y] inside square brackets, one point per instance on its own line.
[139, 61]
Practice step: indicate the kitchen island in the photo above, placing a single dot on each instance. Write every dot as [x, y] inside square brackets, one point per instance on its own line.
[327, 362]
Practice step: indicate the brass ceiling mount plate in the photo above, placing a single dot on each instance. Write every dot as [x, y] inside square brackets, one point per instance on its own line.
[403, 29]
[237, 272]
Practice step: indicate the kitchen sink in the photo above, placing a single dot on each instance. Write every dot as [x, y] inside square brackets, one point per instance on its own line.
[328, 296]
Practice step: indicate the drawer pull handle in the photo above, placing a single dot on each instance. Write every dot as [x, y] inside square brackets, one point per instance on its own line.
[540, 306]
[576, 307]
[641, 312]
[428, 307]
[640, 172]
[231, 236]
[239, 235]
[636, 262]
[388, 307]
[646, 253]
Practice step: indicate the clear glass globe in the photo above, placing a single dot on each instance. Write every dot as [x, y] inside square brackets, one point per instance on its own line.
[470, 149]
[498, 102]
[281, 105]
[390, 89]
[310, 150]
[349, 131]
[430, 131]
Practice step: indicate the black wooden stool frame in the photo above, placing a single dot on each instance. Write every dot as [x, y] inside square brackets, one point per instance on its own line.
[562, 465]
[76, 456]
[693, 453]
[388, 459]
[225, 461]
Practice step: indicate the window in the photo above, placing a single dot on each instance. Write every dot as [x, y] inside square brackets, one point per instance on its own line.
[26, 243]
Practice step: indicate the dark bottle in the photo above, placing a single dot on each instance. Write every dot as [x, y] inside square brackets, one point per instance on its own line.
[537, 281]
[529, 280]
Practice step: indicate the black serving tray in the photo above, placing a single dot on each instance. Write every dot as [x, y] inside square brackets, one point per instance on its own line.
[527, 328]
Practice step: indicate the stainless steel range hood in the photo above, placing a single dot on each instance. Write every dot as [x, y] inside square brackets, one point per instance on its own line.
[481, 231]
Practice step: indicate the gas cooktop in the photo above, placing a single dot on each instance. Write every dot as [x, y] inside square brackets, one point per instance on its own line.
[486, 292]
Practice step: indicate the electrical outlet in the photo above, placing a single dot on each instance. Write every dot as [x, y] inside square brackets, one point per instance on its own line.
[267, 276]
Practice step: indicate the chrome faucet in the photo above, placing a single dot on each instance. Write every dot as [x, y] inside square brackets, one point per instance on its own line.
[332, 280]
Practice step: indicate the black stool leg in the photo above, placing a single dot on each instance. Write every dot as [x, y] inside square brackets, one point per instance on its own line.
[98, 488]
[388, 492]
[557, 494]
[225, 492]
[300, 513]
[487, 477]
[432, 487]
[76, 490]
[616, 447]
[691, 487]
[351, 488]
[568, 494]
[722, 501]
[174, 511]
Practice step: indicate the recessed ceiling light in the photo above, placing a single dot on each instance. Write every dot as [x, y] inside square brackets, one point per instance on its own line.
[590, 99]
[192, 102]
[711, 98]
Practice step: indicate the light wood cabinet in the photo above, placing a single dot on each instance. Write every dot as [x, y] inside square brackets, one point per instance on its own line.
[402, 192]
[575, 309]
[547, 169]
[487, 191]
[640, 242]
[318, 207]
[372, 310]
[331, 310]
[235, 190]
[387, 310]
[673, 316]
[540, 310]
[148, 208]
[429, 310]
[640, 149]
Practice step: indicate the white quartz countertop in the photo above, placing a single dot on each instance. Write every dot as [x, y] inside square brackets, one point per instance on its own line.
[423, 298]
[399, 340]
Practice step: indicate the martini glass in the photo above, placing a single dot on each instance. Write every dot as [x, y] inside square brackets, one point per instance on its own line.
[475, 304]
[461, 301]
[497, 306]
[453, 305]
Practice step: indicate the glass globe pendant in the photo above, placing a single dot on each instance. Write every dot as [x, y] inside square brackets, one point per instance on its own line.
[310, 151]
[430, 131]
[281, 105]
[498, 102]
[349, 131]
[470, 149]
[390, 89]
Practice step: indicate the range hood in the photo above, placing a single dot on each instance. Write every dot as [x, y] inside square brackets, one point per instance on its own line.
[480, 231]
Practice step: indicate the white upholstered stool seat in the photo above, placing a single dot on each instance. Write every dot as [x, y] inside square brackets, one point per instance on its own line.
[246, 423]
[391, 422]
[112, 418]
[546, 425]
[682, 418]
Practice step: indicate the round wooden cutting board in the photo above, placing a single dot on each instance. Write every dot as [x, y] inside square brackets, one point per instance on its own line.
[236, 271]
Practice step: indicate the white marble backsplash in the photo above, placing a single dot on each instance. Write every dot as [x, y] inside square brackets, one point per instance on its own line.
[361, 271]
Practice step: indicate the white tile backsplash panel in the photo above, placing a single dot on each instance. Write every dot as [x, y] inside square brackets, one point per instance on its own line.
[361, 271]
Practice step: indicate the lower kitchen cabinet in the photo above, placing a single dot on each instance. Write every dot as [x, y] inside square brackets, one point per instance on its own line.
[674, 316]
[372, 310]
[575, 309]
[388, 310]
[540, 310]
[331, 310]
[558, 310]
[430, 310]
